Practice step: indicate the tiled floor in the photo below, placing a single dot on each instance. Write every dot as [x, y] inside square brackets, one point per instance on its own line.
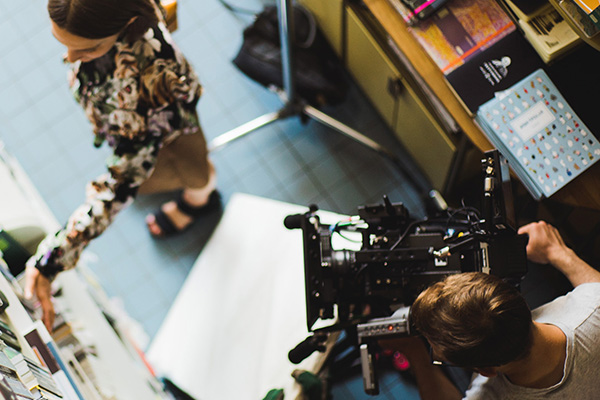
[47, 132]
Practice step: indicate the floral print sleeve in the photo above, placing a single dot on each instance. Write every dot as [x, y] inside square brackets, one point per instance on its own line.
[137, 97]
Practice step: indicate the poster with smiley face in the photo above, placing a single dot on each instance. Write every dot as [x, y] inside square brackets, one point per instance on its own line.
[533, 126]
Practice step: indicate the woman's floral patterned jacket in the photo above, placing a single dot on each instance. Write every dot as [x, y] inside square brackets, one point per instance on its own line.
[138, 97]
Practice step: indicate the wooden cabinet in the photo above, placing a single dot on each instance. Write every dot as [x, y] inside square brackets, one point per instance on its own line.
[113, 367]
[378, 78]
[391, 91]
[396, 99]
[328, 14]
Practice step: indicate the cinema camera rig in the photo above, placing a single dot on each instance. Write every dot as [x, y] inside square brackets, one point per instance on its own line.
[398, 259]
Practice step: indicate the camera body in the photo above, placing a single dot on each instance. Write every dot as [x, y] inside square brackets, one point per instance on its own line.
[370, 290]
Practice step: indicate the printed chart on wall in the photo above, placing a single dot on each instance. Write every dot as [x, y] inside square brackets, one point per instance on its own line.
[533, 126]
[460, 30]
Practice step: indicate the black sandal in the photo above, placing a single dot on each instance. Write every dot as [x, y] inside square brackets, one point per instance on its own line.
[167, 227]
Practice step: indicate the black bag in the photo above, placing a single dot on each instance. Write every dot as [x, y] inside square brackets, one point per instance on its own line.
[318, 74]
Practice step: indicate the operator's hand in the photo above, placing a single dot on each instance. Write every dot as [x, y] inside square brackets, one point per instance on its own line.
[546, 246]
[545, 243]
[38, 284]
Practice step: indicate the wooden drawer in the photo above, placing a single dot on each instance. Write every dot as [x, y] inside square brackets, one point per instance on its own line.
[423, 137]
[328, 14]
[372, 71]
[397, 102]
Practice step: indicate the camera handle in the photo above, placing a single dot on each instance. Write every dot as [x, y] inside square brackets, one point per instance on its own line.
[308, 346]
[369, 374]
[398, 324]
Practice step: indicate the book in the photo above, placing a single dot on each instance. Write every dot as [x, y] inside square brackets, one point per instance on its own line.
[42, 378]
[78, 361]
[460, 30]
[584, 22]
[11, 387]
[407, 15]
[549, 34]
[8, 336]
[10, 381]
[544, 140]
[590, 7]
[46, 350]
[582, 15]
[423, 8]
[42, 394]
[525, 10]
[31, 374]
[494, 69]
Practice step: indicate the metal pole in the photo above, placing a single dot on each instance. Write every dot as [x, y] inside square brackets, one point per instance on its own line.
[286, 35]
[292, 106]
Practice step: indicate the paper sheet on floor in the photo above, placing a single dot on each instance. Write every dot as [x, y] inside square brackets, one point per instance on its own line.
[241, 309]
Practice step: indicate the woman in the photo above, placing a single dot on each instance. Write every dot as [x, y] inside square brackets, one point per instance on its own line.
[140, 95]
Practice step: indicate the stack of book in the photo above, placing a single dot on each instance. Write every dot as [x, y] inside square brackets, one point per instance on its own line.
[8, 336]
[46, 377]
[36, 378]
[584, 18]
[47, 351]
[546, 143]
[477, 46]
[11, 385]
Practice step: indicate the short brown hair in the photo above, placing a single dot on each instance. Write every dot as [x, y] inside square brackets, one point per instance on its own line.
[474, 320]
[97, 19]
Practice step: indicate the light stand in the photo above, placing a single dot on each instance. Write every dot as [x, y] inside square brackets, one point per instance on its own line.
[294, 106]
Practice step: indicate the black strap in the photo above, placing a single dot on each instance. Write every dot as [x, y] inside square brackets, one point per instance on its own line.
[165, 223]
[194, 212]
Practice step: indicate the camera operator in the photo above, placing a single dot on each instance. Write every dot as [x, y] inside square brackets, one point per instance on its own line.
[479, 322]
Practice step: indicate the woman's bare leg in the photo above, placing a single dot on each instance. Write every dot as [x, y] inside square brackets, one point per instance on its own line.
[193, 196]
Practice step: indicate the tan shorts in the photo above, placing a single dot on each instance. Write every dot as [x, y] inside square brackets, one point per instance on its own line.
[182, 163]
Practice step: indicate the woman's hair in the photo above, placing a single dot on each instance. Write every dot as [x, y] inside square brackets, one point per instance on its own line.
[97, 19]
[474, 320]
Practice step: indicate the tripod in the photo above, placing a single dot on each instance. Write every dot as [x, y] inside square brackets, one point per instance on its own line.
[295, 106]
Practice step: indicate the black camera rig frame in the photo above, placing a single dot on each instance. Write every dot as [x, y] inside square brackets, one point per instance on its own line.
[369, 291]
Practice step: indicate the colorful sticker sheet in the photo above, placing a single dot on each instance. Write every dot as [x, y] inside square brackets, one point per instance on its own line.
[533, 126]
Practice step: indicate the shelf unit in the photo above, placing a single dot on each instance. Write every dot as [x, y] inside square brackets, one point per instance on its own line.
[118, 369]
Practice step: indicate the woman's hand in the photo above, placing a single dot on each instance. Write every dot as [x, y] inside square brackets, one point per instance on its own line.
[37, 283]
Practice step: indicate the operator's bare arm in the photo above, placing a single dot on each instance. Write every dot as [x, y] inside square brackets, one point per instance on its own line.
[433, 384]
[546, 246]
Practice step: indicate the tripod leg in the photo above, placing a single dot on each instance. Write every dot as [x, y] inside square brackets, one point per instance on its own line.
[286, 32]
[242, 130]
[294, 106]
[344, 129]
